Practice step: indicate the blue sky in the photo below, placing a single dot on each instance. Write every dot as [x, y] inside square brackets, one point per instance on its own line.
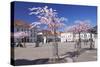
[71, 12]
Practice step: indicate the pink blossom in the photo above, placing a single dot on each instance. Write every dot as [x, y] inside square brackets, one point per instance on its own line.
[80, 26]
[48, 16]
[21, 34]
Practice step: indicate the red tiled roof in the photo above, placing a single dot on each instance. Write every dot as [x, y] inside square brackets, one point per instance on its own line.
[21, 23]
[48, 32]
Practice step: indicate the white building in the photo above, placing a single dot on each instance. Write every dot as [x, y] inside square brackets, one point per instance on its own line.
[66, 37]
[69, 36]
[22, 26]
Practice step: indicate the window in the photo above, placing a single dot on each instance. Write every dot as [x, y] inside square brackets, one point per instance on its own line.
[31, 35]
[82, 35]
[17, 29]
[22, 29]
[85, 35]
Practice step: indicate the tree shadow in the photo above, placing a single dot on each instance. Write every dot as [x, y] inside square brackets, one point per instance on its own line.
[19, 62]
[76, 53]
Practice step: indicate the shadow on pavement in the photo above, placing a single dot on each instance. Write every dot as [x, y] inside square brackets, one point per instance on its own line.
[75, 53]
[46, 60]
[29, 62]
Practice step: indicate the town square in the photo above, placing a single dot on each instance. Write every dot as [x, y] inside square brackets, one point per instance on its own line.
[43, 33]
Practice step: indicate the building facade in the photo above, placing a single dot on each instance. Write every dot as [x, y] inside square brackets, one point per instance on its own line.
[21, 26]
[46, 35]
[69, 36]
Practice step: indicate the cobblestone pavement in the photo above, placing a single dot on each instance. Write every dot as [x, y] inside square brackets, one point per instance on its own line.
[46, 52]
[88, 55]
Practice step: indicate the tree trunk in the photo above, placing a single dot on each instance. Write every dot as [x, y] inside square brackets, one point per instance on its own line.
[78, 45]
[37, 44]
[85, 43]
[91, 41]
[55, 47]
[36, 40]
[79, 41]
[24, 44]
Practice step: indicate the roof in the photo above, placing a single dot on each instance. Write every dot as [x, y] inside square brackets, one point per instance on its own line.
[49, 33]
[21, 23]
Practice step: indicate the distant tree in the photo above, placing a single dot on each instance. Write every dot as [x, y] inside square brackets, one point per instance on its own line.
[79, 27]
[93, 30]
[36, 27]
[20, 35]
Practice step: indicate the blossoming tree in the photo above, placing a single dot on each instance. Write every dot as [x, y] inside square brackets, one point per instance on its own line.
[79, 27]
[49, 17]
